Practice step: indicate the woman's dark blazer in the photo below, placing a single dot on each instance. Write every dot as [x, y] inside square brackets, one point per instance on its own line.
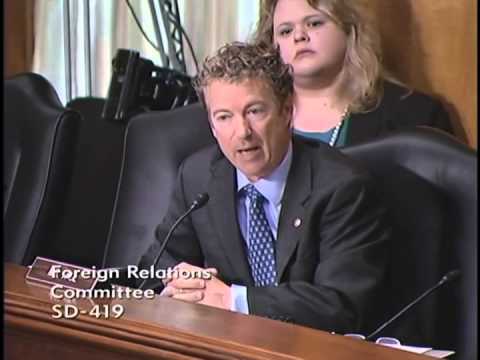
[398, 110]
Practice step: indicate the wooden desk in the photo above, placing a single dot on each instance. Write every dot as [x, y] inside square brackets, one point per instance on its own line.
[163, 328]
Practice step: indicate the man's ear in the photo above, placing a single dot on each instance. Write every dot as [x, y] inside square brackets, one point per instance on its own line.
[209, 117]
[209, 114]
[288, 111]
[213, 131]
[212, 127]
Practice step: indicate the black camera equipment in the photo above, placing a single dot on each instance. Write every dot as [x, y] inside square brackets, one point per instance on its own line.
[138, 85]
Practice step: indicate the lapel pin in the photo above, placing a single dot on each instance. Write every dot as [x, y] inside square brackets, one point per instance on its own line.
[297, 222]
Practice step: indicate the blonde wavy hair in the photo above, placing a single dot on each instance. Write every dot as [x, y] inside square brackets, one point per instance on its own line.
[237, 61]
[363, 70]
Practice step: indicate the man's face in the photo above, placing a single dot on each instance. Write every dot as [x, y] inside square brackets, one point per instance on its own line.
[252, 129]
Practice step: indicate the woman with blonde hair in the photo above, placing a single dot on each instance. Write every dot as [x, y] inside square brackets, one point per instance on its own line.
[343, 95]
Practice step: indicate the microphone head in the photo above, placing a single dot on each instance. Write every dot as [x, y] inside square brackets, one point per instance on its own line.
[451, 275]
[200, 201]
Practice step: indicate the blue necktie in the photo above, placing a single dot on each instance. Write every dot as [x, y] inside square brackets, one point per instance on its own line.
[261, 251]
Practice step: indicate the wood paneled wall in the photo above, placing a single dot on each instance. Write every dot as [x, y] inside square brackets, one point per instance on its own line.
[432, 46]
[18, 36]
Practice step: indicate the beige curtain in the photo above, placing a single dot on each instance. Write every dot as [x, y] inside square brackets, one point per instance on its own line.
[212, 23]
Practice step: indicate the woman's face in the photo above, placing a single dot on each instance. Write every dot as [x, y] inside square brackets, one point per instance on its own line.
[309, 40]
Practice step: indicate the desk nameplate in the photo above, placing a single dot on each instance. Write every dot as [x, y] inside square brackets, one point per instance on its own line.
[47, 272]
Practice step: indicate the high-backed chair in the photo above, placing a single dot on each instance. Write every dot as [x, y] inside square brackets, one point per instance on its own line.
[428, 181]
[155, 145]
[83, 235]
[89, 204]
[98, 163]
[38, 143]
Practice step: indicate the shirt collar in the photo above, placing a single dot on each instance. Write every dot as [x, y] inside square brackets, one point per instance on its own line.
[273, 185]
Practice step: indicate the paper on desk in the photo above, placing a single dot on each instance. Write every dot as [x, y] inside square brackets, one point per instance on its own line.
[413, 349]
[439, 354]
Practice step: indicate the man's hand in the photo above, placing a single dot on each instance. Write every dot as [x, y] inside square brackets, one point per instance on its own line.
[217, 294]
[211, 292]
[187, 289]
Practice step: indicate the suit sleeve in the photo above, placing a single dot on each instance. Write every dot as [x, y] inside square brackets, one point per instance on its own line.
[350, 255]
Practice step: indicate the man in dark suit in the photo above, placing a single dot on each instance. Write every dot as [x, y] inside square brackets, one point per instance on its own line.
[290, 232]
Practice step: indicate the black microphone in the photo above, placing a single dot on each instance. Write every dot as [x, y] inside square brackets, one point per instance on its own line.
[199, 202]
[450, 276]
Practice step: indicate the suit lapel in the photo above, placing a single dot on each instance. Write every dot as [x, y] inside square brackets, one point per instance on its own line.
[297, 191]
[223, 216]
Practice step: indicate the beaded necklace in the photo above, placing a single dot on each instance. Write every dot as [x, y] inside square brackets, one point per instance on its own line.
[336, 130]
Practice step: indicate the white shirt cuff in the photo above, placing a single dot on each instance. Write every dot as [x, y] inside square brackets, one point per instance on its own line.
[239, 299]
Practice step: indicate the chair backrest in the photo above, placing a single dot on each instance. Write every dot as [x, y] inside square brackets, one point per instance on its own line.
[82, 235]
[155, 145]
[38, 144]
[428, 181]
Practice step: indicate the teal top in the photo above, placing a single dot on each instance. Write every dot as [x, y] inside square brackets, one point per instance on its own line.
[326, 136]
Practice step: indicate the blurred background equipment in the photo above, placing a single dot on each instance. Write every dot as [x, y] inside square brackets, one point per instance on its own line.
[138, 85]
[171, 53]
[136, 81]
